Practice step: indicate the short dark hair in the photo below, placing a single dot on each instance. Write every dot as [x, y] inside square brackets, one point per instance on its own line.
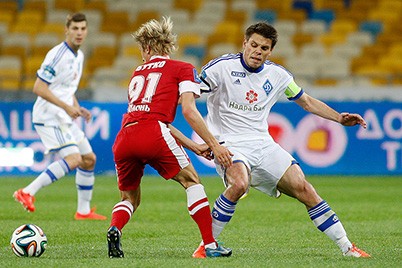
[264, 29]
[76, 17]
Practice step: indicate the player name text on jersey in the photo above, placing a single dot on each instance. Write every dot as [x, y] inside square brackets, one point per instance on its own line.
[152, 65]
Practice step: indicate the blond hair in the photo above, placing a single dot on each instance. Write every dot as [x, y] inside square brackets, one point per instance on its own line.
[157, 35]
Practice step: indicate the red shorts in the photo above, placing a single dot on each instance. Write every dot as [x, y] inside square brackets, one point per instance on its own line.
[147, 142]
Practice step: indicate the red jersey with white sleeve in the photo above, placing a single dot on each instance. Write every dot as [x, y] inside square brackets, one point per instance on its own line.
[155, 88]
[153, 96]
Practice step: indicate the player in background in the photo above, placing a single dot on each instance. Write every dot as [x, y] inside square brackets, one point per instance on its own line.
[146, 136]
[243, 88]
[53, 113]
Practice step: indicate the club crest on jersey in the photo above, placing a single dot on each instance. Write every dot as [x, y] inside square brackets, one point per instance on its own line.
[251, 96]
[267, 87]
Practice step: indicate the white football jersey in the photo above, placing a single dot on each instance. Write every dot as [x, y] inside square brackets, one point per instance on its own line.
[61, 70]
[241, 98]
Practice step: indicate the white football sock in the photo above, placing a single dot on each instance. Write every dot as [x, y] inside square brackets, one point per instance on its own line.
[211, 245]
[327, 222]
[54, 171]
[84, 180]
[222, 213]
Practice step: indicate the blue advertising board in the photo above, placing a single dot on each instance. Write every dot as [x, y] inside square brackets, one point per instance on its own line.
[320, 146]
[16, 130]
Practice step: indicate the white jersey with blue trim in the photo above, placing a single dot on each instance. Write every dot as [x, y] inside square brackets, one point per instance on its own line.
[240, 98]
[61, 70]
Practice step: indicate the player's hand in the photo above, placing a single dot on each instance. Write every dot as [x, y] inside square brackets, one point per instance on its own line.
[348, 119]
[204, 151]
[223, 155]
[86, 114]
[73, 111]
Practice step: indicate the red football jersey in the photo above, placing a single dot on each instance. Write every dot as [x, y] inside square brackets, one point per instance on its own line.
[155, 88]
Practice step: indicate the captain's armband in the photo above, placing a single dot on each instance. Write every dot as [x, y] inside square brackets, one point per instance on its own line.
[293, 91]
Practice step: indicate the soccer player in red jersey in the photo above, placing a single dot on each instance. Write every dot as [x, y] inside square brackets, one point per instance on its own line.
[146, 136]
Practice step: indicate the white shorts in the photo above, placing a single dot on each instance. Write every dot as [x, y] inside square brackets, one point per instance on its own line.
[266, 160]
[65, 139]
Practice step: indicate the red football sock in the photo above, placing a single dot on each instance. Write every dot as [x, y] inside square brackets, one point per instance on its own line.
[198, 207]
[121, 214]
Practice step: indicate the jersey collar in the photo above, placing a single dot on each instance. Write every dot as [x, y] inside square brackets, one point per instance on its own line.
[159, 56]
[251, 70]
[72, 50]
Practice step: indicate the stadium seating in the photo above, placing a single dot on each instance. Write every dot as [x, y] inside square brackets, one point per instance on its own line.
[6, 16]
[197, 51]
[286, 27]
[96, 5]
[95, 18]
[3, 30]
[359, 33]
[16, 44]
[31, 65]
[325, 15]
[71, 5]
[126, 65]
[10, 72]
[37, 5]
[117, 22]
[265, 15]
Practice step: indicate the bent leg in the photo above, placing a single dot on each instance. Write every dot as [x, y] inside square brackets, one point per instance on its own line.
[121, 214]
[294, 184]
[51, 174]
[237, 181]
[84, 181]
[55, 170]
[123, 210]
[197, 203]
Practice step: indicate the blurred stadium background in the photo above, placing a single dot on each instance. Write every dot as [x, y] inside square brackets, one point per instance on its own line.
[323, 42]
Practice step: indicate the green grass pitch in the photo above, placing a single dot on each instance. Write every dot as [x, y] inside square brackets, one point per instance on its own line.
[264, 232]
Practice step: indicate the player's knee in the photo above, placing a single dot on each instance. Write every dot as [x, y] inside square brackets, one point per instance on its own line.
[240, 186]
[73, 160]
[187, 177]
[243, 186]
[237, 177]
[187, 181]
[306, 194]
[88, 161]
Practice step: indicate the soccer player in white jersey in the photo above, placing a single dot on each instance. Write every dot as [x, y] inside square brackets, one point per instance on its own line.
[53, 113]
[243, 88]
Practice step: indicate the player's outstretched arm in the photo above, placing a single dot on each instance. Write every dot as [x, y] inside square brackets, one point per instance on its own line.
[321, 109]
[195, 120]
[199, 149]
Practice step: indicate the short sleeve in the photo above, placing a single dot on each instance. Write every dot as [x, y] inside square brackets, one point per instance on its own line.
[48, 69]
[188, 80]
[208, 81]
